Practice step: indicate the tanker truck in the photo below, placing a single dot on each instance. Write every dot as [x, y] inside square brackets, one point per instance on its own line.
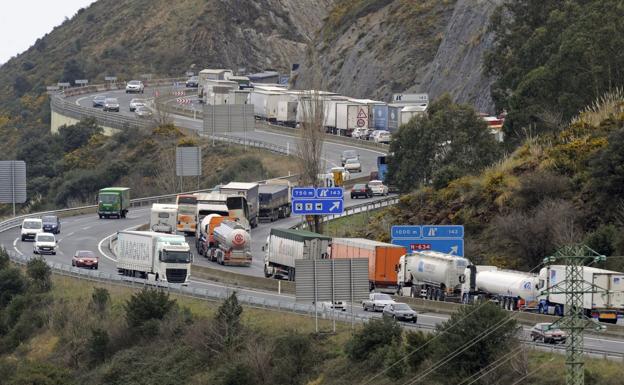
[206, 239]
[605, 304]
[232, 243]
[431, 275]
[154, 256]
[512, 290]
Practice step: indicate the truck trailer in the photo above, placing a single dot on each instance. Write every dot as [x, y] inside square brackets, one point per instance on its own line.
[113, 202]
[154, 256]
[274, 202]
[232, 243]
[250, 192]
[163, 218]
[206, 244]
[383, 259]
[431, 275]
[512, 290]
[284, 246]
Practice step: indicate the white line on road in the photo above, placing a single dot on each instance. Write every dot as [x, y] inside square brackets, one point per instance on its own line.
[105, 238]
[15, 246]
[87, 227]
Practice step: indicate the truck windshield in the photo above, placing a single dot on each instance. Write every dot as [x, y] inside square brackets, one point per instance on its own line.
[31, 225]
[176, 256]
[109, 198]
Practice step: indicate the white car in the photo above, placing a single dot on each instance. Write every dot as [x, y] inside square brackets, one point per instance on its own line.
[360, 133]
[134, 103]
[336, 305]
[353, 165]
[143, 112]
[378, 187]
[377, 302]
[30, 228]
[381, 136]
[135, 86]
[45, 243]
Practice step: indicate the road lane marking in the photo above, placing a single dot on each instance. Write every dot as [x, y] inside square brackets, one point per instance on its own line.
[87, 227]
[15, 246]
[107, 237]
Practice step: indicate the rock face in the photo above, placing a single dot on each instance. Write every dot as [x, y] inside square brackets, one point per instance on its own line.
[401, 45]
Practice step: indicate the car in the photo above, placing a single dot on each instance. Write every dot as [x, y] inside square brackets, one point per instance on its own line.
[45, 243]
[400, 312]
[348, 154]
[381, 136]
[192, 82]
[135, 86]
[98, 100]
[336, 305]
[360, 133]
[134, 103]
[30, 227]
[377, 302]
[361, 190]
[85, 258]
[143, 112]
[111, 104]
[353, 165]
[547, 333]
[378, 188]
[51, 224]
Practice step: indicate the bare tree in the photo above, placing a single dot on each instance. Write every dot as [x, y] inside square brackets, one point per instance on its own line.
[162, 116]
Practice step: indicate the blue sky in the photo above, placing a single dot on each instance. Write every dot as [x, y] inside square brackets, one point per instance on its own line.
[22, 22]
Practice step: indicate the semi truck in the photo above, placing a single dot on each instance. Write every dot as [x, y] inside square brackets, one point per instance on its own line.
[113, 202]
[154, 256]
[383, 259]
[206, 239]
[232, 243]
[606, 304]
[163, 218]
[250, 192]
[274, 202]
[512, 290]
[431, 275]
[284, 246]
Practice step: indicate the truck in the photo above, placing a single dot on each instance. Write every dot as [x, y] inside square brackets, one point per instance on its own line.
[232, 243]
[206, 239]
[383, 259]
[232, 206]
[153, 256]
[512, 290]
[287, 113]
[605, 305]
[431, 275]
[163, 218]
[250, 192]
[113, 202]
[274, 202]
[284, 246]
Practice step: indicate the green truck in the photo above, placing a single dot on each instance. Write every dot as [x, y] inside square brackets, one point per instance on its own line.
[113, 202]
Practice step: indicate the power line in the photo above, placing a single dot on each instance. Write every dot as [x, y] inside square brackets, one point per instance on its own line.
[490, 368]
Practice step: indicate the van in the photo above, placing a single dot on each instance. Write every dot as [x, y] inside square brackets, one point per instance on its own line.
[30, 227]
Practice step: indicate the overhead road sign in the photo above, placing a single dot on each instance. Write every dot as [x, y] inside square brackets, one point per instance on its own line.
[443, 238]
[110, 78]
[317, 201]
[63, 84]
[81, 81]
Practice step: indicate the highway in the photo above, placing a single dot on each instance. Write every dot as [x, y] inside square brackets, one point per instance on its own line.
[91, 233]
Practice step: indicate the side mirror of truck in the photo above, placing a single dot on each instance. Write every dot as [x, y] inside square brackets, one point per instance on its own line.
[20, 226]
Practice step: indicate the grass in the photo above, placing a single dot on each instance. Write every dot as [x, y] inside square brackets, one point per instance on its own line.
[350, 225]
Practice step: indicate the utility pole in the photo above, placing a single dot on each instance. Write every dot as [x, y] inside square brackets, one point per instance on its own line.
[575, 321]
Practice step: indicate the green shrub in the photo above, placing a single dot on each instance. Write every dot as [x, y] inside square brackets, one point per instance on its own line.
[12, 283]
[100, 299]
[376, 334]
[148, 304]
[40, 275]
[293, 359]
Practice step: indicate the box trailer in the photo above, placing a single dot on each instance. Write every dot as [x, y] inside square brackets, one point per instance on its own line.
[154, 256]
[250, 192]
[274, 202]
[287, 113]
[383, 259]
[284, 246]
[113, 202]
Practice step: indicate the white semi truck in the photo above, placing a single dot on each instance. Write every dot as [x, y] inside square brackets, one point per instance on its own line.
[512, 290]
[431, 275]
[605, 304]
[250, 191]
[284, 246]
[232, 243]
[154, 256]
[164, 218]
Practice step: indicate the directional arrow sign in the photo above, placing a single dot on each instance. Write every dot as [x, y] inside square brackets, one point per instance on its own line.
[317, 206]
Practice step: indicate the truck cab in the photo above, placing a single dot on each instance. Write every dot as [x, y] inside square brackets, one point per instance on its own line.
[113, 202]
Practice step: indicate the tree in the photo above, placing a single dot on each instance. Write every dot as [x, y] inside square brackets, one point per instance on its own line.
[77, 135]
[375, 335]
[99, 299]
[72, 71]
[146, 305]
[607, 175]
[4, 258]
[473, 338]
[40, 274]
[449, 141]
[293, 359]
[417, 348]
[228, 320]
[12, 283]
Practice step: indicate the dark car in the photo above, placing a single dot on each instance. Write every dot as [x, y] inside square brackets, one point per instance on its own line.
[85, 258]
[51, 224]
[548, 334]
[192, 82]
[98, 100]
[361, 190]
[400, 312]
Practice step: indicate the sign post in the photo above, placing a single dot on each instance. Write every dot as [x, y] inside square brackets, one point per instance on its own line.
[447, 239]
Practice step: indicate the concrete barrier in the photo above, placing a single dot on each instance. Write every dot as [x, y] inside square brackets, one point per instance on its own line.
[241, 280]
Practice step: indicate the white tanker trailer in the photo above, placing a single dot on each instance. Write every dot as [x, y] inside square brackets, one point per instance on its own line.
[513, 290]
[431, 275]
[233, 244]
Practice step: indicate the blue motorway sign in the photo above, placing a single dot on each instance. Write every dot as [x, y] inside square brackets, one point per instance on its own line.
[317, 206]
[406, 232]
[329, 192]
[443, 231]
[303, 192]
[449, 246]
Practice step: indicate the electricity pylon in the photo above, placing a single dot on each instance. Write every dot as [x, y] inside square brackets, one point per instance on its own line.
[574, 320]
